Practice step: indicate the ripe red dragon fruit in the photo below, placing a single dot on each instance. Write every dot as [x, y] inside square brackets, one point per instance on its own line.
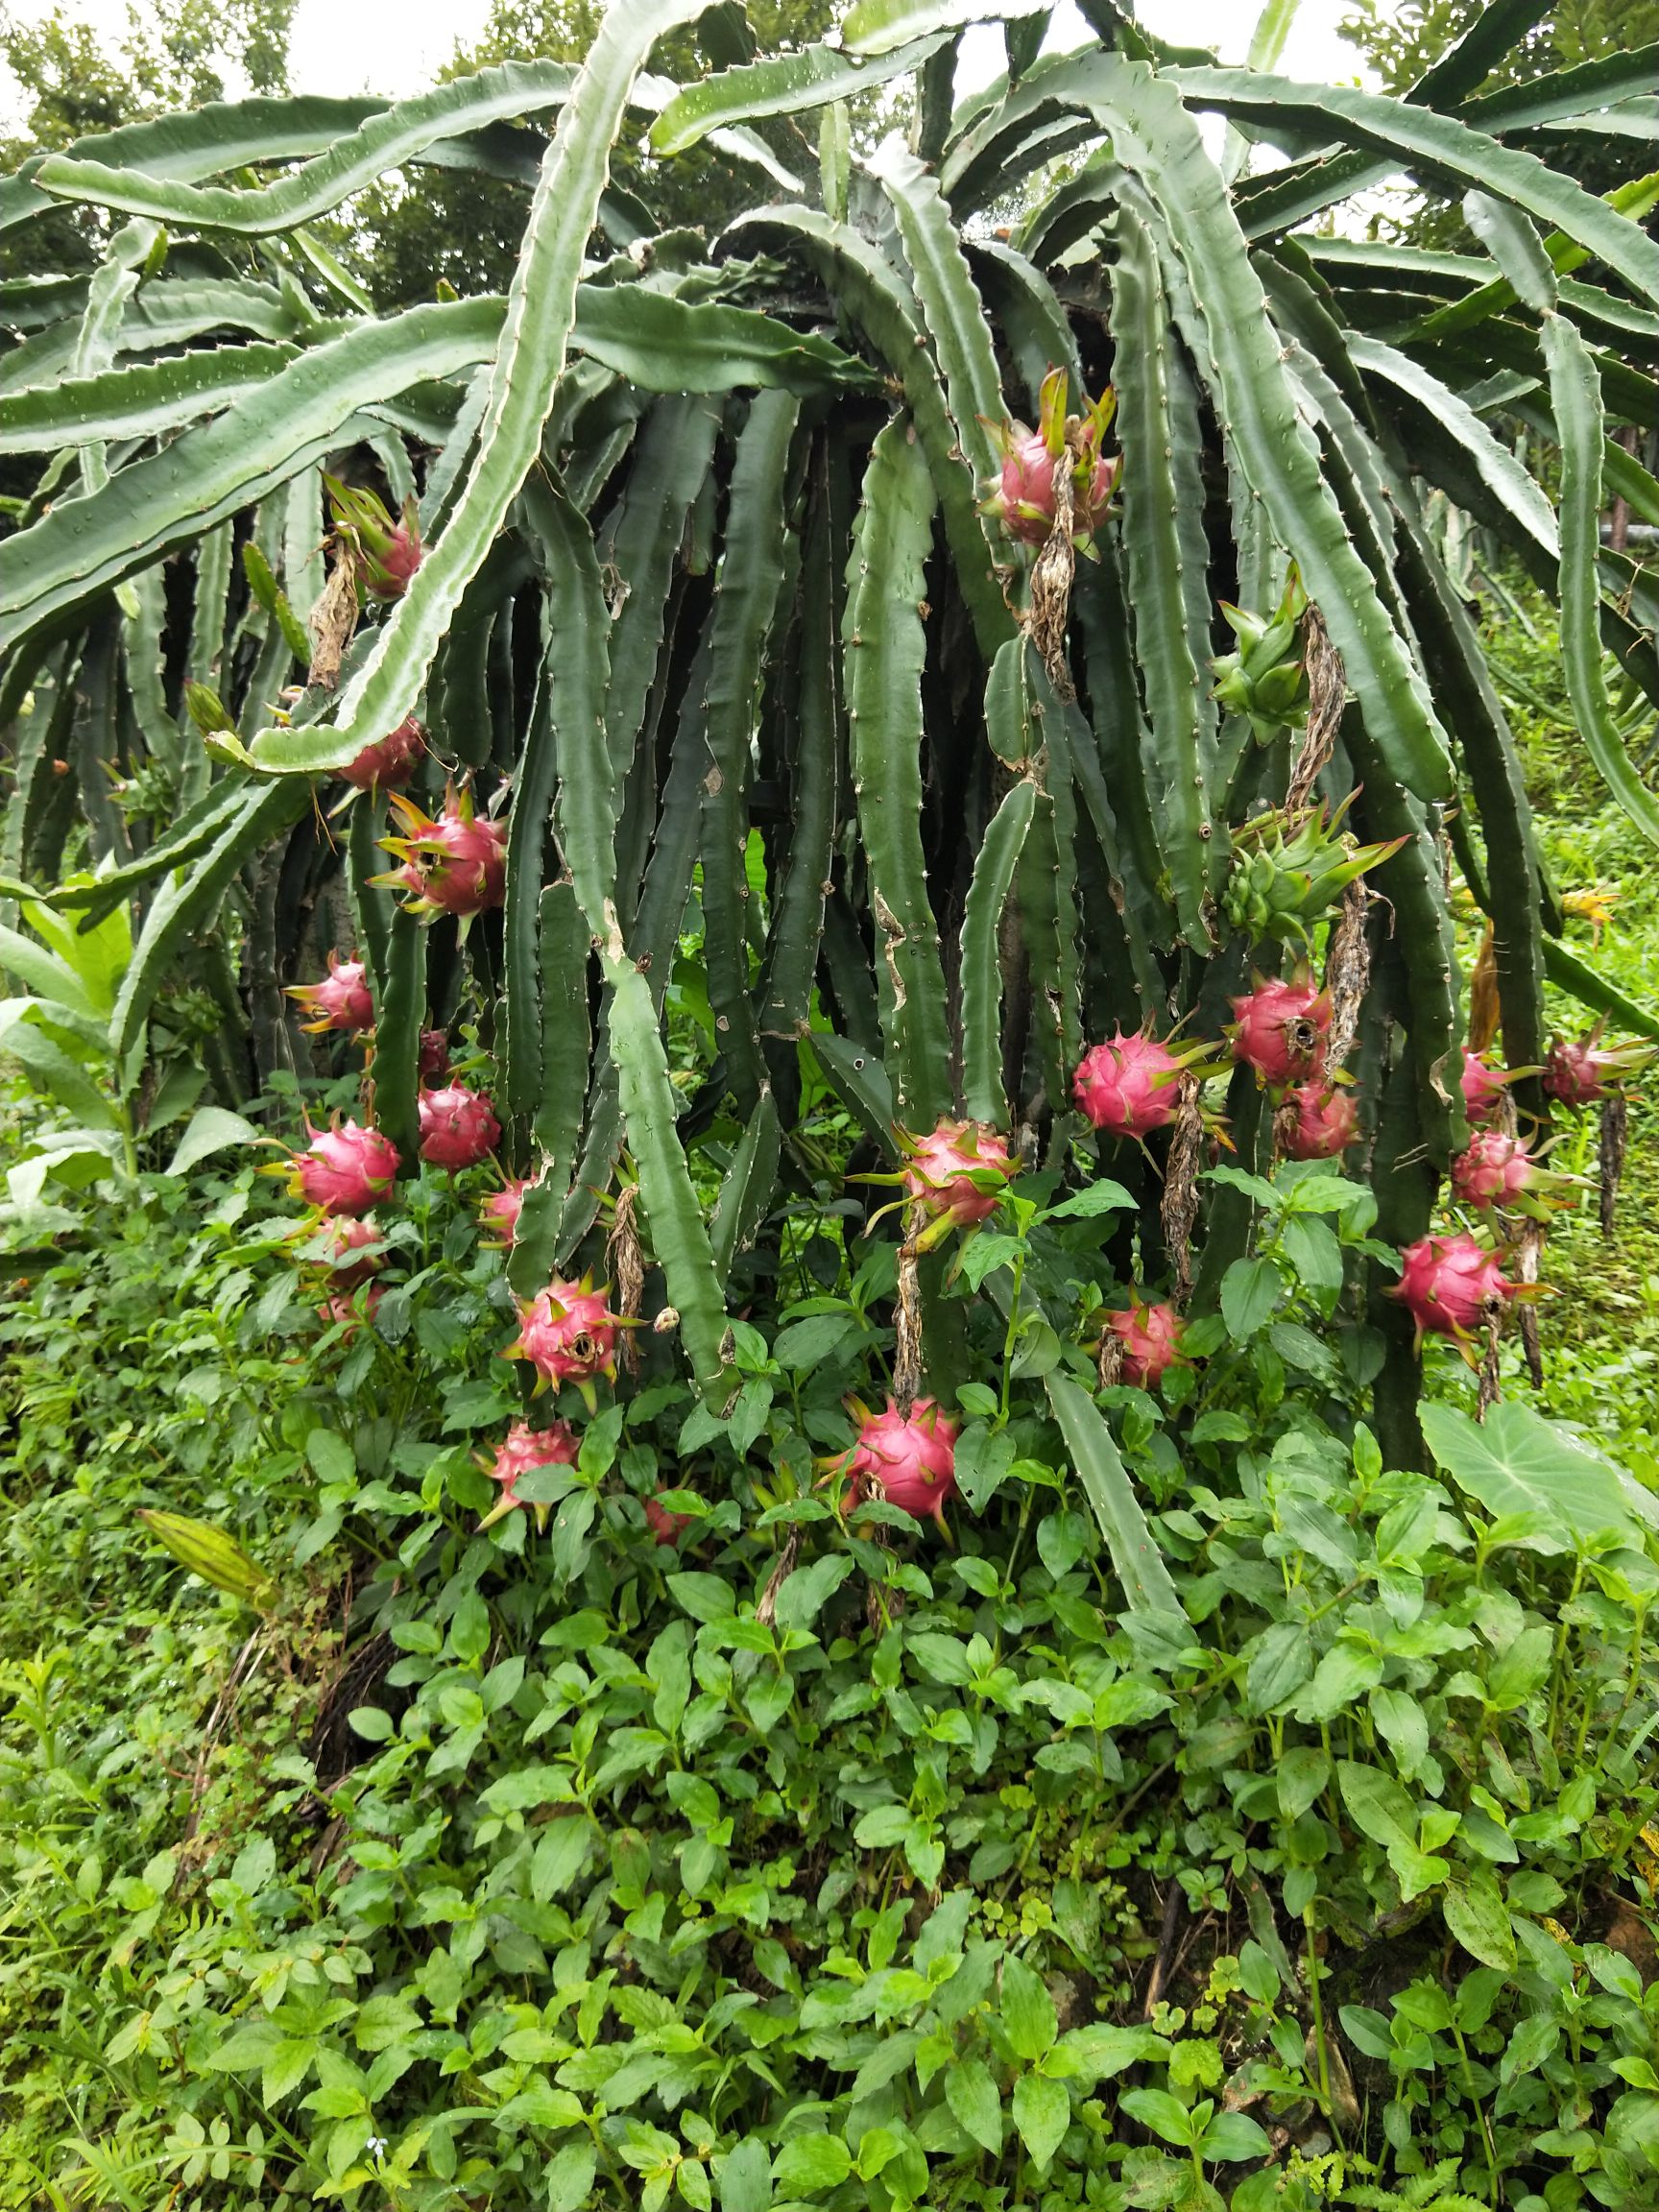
[386, 551]
[345, 1168]
[1582, 1071]
[342, 1235]
[342, 1000]
[1151, 1339]
[458, 1127]
[567, 1334]
[957, 1173]
[1495, 1170]
[434, 1056]
[1281, 1029]
[345, 1311]
[1484, 1087]
[1131, 1085]
[1326, 1119]
[1022, 499]
[665, 1524]
[908, 1460]
[452, 863]
[520, 1450]
[500, 1210]
[390, 762]
[1445, 1283]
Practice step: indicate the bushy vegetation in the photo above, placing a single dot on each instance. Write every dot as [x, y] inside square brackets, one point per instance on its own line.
[840, 1492]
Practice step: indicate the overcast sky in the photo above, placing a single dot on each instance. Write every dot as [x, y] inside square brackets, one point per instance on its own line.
[397, 46]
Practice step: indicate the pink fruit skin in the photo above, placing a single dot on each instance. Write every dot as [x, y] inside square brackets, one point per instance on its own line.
[342, 1000]
[500, 1210]
[1575, 1074]
[942, 1166]
[1151, 1340]
[343, 1236]
[1495, 1168]
[663, 1524]
[434, 1055]
[1281, 1030]
[340, 1311]
[1445, 1283]
[911, 1462]
[391, 569]
[567, 1334]
[1326, 1120]
[390, 762]
[1484, 1086]
[460, 866]
[1028, 488]
[345, 1170]
[523, 1448]
[1129, 1086]
[458, 1127]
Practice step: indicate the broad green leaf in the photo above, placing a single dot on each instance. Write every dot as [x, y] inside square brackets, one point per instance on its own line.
[1519, 1462]
[974, 2103]
[1028, 2010]
[1041, 2114]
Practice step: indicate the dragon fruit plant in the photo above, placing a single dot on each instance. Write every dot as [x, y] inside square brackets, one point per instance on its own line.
[1022, 499]
[388, 763]
[1281, 1028]
[458, 1128]
[1583, 1071]
[1130, 1086]
[454, 862]
[568, 1334]
[1150, 1334]
[521, 1448]
[385, 549]
[1445, 1284]
[345, 1168]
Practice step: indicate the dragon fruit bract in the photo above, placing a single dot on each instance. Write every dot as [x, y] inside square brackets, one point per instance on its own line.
[1326, 1120]
[958, 1173]
[1445, 1283]
[452, 863]
[345, 1168]
[1022, 499]
[521, 1448]
[909, 1461]
[500, 1210]
[458, 1127]
[342, 1235]
[1130, 1085]
[568, 1336]
[1495, 1168]
[385, 550]
[342, 1000]
[1484, 1086]
[390, 762]
[1281, 1029]
[1151, 1340]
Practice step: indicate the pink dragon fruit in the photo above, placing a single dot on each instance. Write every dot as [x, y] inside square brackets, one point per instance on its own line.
[500, 1210]
[1445, 1283]
[1494, 1171]
[342, 1000]
[1022, 499]
[434, 1056]
[957, 1174]
[663, 1524]
[1484, 1087]
[1282, 1028]
[567, 1334]
[1151, 1339]
[1130, 1086]
[1580, 1071]
[521, 1448]
[458, 1127]
[390, 762]
[385, 552]
[908, 1461]
[345, 1168]
[344, 1310]
[1326, 1120]
[452, 863]
[340, 1236]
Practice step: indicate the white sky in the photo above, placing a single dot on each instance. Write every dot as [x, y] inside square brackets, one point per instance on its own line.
[397, 46]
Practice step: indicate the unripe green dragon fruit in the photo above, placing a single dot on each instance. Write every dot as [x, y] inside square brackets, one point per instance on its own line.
[1285, 879]
[1263, 680]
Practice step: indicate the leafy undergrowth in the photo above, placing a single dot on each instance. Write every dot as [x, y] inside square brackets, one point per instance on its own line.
[800, 1860]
